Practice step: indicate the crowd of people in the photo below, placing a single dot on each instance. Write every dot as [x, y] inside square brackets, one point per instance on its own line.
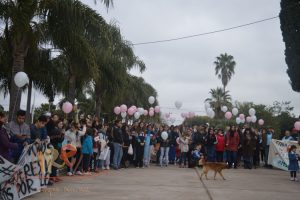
[101, 146]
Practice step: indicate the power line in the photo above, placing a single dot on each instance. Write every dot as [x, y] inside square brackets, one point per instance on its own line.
[206, 33]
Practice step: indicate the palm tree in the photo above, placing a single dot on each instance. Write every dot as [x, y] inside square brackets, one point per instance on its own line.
[224, 68]
[115, 57]
[218, 99]
[67, 23]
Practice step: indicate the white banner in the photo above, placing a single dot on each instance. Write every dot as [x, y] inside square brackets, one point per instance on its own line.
[28, 176]
[278, 153]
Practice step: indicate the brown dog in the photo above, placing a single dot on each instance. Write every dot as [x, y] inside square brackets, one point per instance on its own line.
[216, 167]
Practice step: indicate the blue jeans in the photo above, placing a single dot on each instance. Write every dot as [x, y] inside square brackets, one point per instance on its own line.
[172, 153]
[211, 153]
[164, 154]
[118, 154]
[231, 158]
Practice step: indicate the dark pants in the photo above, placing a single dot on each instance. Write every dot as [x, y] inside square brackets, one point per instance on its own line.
[219, 155]
[211, 153]
[172, 154]
[139, 156]
[248, 162]
[266, 155]
[183, 158]
[78, 161]
[86, 162]
[125, 158]
[232, 156]
[293, 174]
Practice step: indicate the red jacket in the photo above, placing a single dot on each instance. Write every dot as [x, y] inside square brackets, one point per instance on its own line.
[220, 146]
[232, 143]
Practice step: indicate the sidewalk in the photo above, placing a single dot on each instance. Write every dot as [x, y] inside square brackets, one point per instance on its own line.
[175, 184]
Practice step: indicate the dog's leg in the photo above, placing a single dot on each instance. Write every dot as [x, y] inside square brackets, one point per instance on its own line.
[222, 175]
[206, 172]
[215, 175]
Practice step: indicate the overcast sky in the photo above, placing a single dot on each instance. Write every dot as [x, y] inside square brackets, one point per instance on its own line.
[183, 70]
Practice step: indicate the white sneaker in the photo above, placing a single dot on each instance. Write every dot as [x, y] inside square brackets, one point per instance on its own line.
[292, 179]
[107, 168]
[103, 168]
[79, 173]
[296, 179]
[69, 174]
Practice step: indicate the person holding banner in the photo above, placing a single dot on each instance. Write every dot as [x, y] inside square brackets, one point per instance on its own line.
[5, 145]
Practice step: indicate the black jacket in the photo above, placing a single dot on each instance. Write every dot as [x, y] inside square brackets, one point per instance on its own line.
[117, 135]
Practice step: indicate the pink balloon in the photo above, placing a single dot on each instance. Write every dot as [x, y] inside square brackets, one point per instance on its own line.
[297, 125]
[191, 114]
[131, 111]
[248, 119]
[167, 115]
[261, 122]
[157, 109]
[242, 116]
[134, 108]
[67, 107]
[151, 113]
[151, 108]
[228, 115]
[123, 108]
[145, 112]
[117, 110]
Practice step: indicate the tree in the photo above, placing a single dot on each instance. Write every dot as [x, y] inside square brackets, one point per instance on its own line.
[290, 27]
[25, 23]
[218, 99]
[224, 66]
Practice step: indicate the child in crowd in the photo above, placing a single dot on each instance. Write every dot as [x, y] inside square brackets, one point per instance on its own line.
[184, 148]
[104, 157]
[197, 154]
[87, 150]
[293, 162]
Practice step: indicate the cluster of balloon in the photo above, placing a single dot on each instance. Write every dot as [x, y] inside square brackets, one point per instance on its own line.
[209, 111]
[137, 112]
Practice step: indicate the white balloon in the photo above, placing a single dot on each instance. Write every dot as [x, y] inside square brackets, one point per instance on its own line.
[224, 109]
[141, 111]
[207, 105]
[252, 111]
[151, 99]
[253, 119]
[164, 135]
[21, 79]
[238, 120]
[178, 104]
[123, 114]
[235, 111]
[209, 111]
[137, 115]
[212, 114]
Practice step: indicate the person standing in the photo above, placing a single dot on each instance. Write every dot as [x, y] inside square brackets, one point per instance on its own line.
[293, 162]
[172, 152]
[184, 148]
[248, 147]
[164, 148]
[148, 144]
[266, 140]
[5, 145]
[232, 143]
[20, 134]
[117, 144]
[210, 142]
[87, 150]
[220, 146]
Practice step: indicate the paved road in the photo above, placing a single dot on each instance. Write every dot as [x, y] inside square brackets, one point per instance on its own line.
[174, 184]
